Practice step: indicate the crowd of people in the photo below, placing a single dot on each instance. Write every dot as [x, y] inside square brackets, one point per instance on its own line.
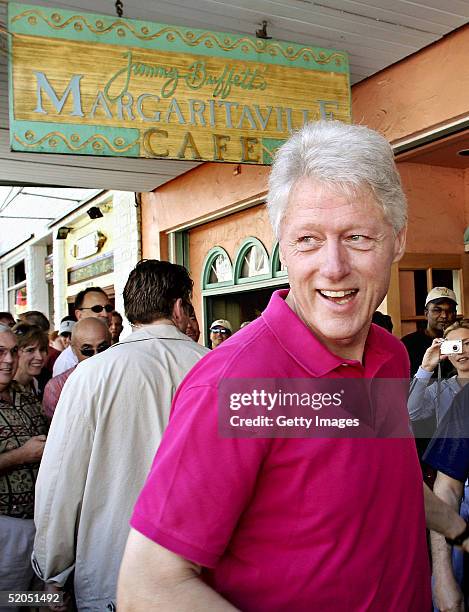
[117, 489]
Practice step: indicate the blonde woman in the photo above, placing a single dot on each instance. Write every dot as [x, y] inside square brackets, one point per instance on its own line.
[429, 397]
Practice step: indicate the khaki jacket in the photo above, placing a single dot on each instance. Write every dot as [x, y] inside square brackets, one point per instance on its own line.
[107, 426]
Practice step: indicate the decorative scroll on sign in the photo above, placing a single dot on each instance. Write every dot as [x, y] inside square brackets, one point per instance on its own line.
[97, 85]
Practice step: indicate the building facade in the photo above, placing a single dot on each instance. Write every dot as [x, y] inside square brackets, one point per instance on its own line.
[213, 219]
[95, 244]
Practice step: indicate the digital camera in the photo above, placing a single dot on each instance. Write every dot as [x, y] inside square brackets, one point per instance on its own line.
[451, 347]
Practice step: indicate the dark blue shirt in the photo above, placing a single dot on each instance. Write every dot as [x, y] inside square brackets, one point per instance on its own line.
[448, 451]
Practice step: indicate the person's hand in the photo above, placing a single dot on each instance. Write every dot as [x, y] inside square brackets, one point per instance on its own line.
[465, 545]
[432, 355]
[32, 450]
[52, 587]
[447, 595]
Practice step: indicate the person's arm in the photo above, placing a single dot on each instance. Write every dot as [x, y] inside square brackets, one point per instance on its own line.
[154, 578]
[447, 594]
[443, 517]
[30, 452]
[420, 403]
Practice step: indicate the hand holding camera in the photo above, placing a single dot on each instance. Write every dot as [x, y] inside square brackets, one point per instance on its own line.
[439, 350]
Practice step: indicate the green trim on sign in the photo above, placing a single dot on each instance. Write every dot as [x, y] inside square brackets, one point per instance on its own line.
[269, 147]
[103, 29]
[38, 136]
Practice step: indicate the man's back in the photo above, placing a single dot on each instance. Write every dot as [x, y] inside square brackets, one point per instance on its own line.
[110, 418]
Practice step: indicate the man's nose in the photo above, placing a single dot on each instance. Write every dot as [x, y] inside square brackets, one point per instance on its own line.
[8, 357]
[335, 261]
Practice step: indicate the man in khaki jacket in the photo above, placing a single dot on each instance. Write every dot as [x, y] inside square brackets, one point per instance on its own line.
[111, 416]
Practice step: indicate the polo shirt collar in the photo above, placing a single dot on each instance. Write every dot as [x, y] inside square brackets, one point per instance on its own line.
[300, 342]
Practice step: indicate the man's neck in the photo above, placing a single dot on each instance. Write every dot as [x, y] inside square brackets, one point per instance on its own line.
[431, 333]
[347, 348]
[137, 326]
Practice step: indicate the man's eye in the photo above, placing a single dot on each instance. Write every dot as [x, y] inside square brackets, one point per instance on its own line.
[359, 240]
[307, 242]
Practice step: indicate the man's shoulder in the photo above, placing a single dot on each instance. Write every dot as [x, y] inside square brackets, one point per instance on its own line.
[251, 352]
[386, 340]
[159, 339]
[140, 353]
[416, 338]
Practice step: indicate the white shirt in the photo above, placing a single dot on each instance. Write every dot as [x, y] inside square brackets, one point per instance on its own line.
[66, 360]
[107, 426]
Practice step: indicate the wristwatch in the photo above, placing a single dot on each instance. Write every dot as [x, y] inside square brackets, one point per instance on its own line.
[458, 540]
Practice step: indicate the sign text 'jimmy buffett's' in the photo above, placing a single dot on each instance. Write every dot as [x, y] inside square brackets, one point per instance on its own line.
[96, 85]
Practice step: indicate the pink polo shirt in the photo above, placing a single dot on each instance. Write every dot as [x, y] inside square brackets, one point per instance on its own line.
[290, 524]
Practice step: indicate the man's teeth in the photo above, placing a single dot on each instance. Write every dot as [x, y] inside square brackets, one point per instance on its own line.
[339, 297]
[337, 294]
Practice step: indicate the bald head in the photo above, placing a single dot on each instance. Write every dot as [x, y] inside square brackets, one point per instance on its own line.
[89, 336]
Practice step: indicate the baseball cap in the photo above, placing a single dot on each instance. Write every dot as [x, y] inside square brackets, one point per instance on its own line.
[438, 293]
[222, 323]
[66, 327]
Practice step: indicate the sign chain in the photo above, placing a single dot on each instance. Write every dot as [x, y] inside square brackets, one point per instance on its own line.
[119, 8]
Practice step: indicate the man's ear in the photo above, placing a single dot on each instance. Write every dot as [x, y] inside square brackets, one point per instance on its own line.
[399, 244]
[179, 314]
[77, 315]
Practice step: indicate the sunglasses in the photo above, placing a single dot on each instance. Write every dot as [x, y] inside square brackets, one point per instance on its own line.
[21, 329]
[219, 330]
[89, 352]
[98, 308]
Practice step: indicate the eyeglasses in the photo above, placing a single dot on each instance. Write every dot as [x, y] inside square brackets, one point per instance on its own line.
[4, 351]
[219, 330]
[98, 308]
[89, 352]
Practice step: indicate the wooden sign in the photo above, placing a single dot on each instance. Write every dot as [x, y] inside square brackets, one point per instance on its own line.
[98, 85]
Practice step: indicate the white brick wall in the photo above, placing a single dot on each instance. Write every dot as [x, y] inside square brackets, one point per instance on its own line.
[3, 289]
[36, 286]
[127, 238]
[59, 282]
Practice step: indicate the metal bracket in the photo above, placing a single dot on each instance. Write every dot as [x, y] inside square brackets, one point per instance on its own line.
[262, 32]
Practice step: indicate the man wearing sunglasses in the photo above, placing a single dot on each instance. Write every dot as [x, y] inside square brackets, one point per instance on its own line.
[220, 330]
[91, 302]
[90, 336]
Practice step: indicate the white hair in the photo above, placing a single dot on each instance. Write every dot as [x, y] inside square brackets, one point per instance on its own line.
[349, 157]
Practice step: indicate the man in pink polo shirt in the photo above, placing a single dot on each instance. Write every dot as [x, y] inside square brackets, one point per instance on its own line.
[279, 524]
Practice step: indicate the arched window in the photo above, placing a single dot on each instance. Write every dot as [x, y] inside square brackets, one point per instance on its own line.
[217, 269]
[252, 261]
[278, 268]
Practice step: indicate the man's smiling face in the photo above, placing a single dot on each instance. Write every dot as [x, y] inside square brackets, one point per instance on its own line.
[338, 248]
